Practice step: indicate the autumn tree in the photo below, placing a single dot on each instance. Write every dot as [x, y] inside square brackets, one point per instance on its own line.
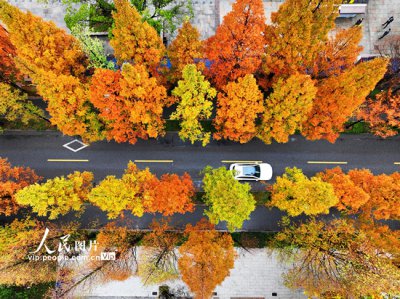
[236, 48]
[286, 108]
[158, 257]
[297, 36]
[195, 104]
[382, 113]
[57, 196]
[206, 258]
[69, 106]
[19, 239]
[186, 48]
[227, 199]
[351, 197]
[112, 237]
[171, 194]
[8, 71]
[383, 190]
[41, 45]
[13, 179]
[15, 106]
[93, 48]
[294, 193]
[134, 40]
[339, 96]
[130, 103]
[336, 259]
[238, 107]
[114, 195]
[339, 53]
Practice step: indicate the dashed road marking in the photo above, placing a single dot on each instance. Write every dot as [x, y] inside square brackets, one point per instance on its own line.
[326, 162]
[67, 160]
[154, 161]
[232, 161]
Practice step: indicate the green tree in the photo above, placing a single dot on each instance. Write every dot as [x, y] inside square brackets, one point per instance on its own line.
[92, 47]
[227, 199]
[294, 193]
[195, 104]
[57, 196]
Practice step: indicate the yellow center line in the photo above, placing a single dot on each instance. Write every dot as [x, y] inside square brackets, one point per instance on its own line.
[229, 161]
[326, 162]
[67, 160]
[154, 161]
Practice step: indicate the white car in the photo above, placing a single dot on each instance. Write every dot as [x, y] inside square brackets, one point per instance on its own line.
[251, 172]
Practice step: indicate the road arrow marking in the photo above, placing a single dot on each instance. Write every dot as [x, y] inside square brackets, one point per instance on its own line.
[326, 162]
[154, 161]
[67, 160]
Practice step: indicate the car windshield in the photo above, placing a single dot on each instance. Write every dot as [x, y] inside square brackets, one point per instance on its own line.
[251, 170]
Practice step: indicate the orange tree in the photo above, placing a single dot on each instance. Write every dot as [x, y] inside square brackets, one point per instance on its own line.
[339, 96]
[130, 103]
[236, 48]
[238, 107]
[185, 49]
[382, 113]
[8, 71]
[171, 194]
[206, 258]
[13, 179]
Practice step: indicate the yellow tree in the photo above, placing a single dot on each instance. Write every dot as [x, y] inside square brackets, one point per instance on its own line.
[57, 196]
[297, 35]
[18, 239]
[15, 106]
[41, 45]
[339, 96]
[206, 258]
[294, 193]
[286, 108]
[337, 259]
[69, 106]
[114, 195]
[236, 48]
[158, 255]
[186, 48]
[133, 40]
[238, 107]
[195, 94]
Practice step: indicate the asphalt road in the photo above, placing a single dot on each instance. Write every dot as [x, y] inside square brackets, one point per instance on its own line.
[34, 149]
[43, 150]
